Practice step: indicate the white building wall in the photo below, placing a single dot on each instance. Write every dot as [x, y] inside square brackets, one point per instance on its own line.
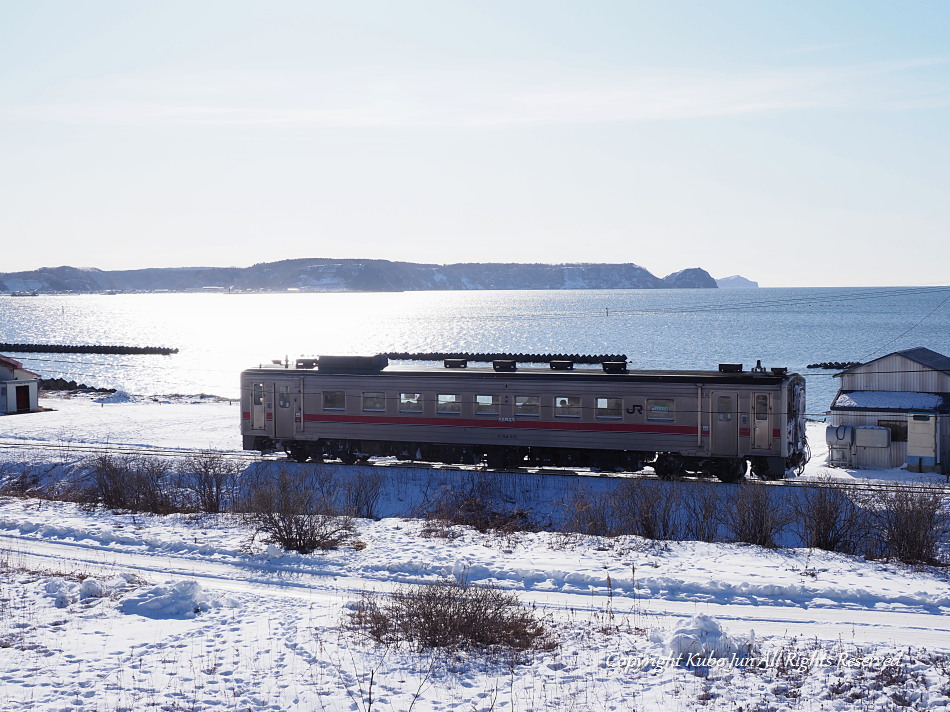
[8, 391]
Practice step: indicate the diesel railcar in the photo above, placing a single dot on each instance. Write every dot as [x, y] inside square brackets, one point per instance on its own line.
[716, 423]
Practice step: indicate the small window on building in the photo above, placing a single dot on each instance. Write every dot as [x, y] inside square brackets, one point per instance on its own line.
[283, 396]
[487, 404]
[761, 406]
[567, 406]
[374, 401]
[527, 405]
[448, 403]
[898, 429]
[257, 394]
[660, 409]
[334, 400]
[609, 408]
[410, 402]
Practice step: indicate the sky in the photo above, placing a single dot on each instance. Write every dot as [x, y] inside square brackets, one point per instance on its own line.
[796, 144]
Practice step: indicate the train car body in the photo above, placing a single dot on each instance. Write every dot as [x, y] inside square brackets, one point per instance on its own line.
[708, 422]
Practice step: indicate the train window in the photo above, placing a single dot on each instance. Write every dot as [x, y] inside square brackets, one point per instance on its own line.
[660, 409]
[410, 402]
[527, 405]
[283, 397]
[609, 408]
[374, 400]
[334, 400]
[448, 403]
[724, 406]
[487, 405]
[567, 406]
[257, 394]
[761, 406]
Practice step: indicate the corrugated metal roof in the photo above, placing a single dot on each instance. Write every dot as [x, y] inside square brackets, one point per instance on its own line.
[919, 354]
[891, 400]
[928, 358]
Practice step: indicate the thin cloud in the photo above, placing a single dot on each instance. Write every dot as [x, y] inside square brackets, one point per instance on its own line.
[374, 99]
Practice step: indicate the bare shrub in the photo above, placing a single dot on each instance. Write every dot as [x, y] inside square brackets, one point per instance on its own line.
[361, 494]
[910, 523]
[827, 518]
[702, 503]
[451, 615]
[649, 509]
[18, 481]
[475, 500]
[588, 513]
[152, 486]
[210, 477]
[755, 514]
[123, 482]
[293, 509]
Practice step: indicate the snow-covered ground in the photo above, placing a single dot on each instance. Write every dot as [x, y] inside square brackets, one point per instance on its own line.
[103, 611]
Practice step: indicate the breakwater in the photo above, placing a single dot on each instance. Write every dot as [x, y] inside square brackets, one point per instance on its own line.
[86, 349]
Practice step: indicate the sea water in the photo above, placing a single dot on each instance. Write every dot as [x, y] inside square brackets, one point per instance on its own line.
[220, 334]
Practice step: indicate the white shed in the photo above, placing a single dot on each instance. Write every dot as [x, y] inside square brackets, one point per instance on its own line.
[892, 412]
[18, 387]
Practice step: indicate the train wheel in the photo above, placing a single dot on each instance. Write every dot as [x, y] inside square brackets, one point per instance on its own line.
[348, 458]
[297, 451]
[731, 470]
[668, 467]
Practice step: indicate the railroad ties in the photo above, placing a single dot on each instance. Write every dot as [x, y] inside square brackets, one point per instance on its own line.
[86, 349]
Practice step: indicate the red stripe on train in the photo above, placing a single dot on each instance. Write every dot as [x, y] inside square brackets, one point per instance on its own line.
[522, 424]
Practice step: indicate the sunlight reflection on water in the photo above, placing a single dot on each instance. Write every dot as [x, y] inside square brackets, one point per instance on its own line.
[219, 334]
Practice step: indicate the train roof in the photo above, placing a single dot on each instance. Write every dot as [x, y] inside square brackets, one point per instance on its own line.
[511, 370]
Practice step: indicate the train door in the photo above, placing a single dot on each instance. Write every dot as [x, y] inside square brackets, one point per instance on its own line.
[724, 423]
[287, 414]
[258, 407]
[761, 421]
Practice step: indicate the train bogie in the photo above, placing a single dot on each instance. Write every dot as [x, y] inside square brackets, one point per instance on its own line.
[707, 422]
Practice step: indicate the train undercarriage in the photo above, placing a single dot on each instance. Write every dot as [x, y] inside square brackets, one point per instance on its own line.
[665, 465]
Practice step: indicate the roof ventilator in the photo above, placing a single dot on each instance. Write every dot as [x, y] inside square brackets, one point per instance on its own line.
[504, 364]
[730, 368]
[614, 366]
[561, 365]
[456, 363]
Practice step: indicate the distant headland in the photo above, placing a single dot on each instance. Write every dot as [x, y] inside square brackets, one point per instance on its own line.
[355, 275]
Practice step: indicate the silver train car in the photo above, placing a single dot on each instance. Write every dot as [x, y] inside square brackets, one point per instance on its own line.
[716, 423]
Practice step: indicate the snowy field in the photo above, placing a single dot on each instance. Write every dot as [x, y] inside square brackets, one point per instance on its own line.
[102, 611]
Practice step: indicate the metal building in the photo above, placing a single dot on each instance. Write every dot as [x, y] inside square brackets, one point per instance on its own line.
[891, 412]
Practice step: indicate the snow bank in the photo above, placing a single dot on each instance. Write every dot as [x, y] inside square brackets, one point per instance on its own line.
[184, 599]
[66, 592]
[117, 397]
[703, 636]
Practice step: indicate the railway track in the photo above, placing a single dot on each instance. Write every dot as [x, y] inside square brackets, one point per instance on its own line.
[64, 450]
